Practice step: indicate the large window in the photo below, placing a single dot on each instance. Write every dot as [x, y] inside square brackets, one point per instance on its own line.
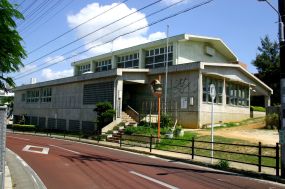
[46, 94]
[33, 96]
[156, 58]
[84, 68]
[128, 61]
[207, 81]
[43, 95]
[103, 65]
[237, 94]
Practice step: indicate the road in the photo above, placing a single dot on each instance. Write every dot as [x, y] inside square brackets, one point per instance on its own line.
[65, 164]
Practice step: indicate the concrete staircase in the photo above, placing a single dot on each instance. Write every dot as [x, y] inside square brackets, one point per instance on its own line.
[128, 122]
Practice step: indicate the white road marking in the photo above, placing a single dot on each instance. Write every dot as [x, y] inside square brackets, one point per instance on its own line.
[18, 138]
[44, 150]
[64, 149]
[154, 180]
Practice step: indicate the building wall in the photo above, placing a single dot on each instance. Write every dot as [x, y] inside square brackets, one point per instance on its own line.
[191, 51]
[67, 103]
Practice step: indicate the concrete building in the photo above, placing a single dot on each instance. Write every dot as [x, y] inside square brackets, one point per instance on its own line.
[123, 78]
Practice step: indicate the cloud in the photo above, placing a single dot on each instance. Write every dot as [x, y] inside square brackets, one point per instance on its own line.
[53, 59]
[169, 2]
[28, 68]
[110, 32]
[49, 74]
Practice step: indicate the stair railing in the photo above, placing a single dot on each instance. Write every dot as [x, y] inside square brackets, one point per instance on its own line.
[133, 113]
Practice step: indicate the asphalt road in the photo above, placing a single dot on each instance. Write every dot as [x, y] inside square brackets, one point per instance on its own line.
[64, 164]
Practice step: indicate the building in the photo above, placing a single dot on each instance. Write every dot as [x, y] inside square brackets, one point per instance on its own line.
[123, 78]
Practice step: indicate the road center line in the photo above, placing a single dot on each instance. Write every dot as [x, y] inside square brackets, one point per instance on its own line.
[64, 149]
[18, 138]
[154, 180]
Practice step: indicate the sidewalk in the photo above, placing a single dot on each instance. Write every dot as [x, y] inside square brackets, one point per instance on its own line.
[20, 175]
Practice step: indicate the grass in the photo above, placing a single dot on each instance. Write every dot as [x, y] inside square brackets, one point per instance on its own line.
[173, 145]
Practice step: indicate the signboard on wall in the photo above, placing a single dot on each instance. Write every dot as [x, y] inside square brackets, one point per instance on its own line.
[184, 102]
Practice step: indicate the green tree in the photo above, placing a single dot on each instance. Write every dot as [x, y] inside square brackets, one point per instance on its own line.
[11, 49]
[105, 114]
[267, 62]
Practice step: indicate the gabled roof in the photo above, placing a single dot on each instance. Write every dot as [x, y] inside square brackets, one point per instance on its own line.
[215, 42]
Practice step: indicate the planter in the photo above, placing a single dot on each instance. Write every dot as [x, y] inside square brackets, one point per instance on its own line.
[179, 133]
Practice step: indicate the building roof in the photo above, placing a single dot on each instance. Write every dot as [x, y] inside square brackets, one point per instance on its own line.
[217, 43]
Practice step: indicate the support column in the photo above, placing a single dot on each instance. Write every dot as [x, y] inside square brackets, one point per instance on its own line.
[267, 101]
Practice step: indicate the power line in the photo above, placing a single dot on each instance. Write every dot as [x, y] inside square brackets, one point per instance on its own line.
[37, 10]
[118, 29]
[46, 12]
[48, 42]
[52, 16]
[153, 23]
[49, 53]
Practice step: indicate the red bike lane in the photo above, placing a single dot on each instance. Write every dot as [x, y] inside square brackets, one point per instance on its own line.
[66, 164]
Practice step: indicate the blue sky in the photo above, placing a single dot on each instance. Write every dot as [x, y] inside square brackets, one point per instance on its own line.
[239, 23]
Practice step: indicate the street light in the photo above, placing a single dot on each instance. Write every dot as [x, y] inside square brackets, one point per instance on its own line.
[281, 12]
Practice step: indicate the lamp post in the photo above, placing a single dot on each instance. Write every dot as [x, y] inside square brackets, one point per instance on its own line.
[281, 12]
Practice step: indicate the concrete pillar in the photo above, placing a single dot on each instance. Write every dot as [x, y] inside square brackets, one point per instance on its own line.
[92, 66]
[141, 59]
[114, 62]
[175, 53]
[224, 97]
[118, 96]
[267, 101]
[2, 145]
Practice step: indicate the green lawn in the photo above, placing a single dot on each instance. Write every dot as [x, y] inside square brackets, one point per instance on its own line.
[170, 145]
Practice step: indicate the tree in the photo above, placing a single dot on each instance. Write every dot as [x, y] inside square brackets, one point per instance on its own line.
[11, 49]
[267, 62]
[105, 114]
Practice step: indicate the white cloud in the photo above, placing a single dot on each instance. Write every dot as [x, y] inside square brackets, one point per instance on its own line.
[53, 59]
[28, 68]
[169, 2]
[49, 74]
[108, 33]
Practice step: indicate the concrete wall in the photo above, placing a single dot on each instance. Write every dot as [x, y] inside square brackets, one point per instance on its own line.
[191, 51]
[66, 103]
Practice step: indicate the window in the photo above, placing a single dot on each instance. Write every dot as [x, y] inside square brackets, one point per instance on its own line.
[84, 68]
[156, 58]
[103, 65]
[207, 81]
[32, 96]
[128, 61]
[46, 94]
[237, 94]
[24, 97]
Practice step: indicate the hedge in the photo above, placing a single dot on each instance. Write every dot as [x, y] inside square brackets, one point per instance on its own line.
[19, 127]
[257, 108]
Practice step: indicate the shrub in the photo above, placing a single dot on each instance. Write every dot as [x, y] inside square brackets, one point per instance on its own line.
[272, 121]
[166, 121]
[223, 164]
[144, 130]
[105, 114]
[257, 108]
[19, 127]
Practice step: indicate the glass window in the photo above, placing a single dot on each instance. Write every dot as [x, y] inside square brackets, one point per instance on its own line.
[207, 81]
[103, 65]
[156, 58]
[128, 61]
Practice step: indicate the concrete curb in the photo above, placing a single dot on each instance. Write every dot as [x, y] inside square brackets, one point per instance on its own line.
[8, 179]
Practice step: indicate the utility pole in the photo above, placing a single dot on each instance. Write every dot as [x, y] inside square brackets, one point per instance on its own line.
[281, 7]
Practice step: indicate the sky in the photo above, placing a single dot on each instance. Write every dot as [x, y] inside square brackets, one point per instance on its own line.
[239, 23]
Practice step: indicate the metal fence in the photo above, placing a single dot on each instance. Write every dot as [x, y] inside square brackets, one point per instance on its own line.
[259, 155]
